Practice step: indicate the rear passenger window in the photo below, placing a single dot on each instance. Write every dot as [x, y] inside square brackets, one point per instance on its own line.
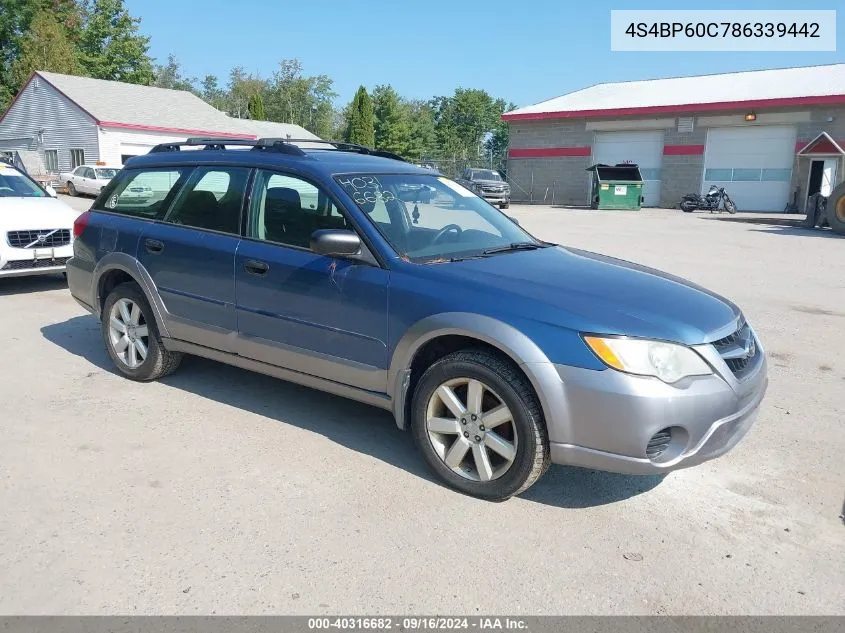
[143, 192]
[287, 210]
[211, 199]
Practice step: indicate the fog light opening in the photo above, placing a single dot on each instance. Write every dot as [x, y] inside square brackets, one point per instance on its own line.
[667, 444]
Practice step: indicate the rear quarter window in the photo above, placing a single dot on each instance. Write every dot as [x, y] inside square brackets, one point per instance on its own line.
[143, 193]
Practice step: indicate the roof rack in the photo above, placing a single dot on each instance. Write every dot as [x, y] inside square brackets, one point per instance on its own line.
[343, 146]
[277, 145]
[281, 145]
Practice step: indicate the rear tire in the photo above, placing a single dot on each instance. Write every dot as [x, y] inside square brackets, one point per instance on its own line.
[132, 338]
[71, 190]
[516, 443]
[836, 209]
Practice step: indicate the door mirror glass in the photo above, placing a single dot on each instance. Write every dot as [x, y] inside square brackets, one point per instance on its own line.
[335, 243]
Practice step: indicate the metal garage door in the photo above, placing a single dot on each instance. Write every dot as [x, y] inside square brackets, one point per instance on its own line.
[754, 164]
[643, 148]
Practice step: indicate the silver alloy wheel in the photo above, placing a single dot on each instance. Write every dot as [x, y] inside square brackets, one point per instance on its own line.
[128, 333]
[471, 429]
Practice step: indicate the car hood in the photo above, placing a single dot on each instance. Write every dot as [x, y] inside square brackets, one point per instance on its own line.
[594, 293]
[19, 214]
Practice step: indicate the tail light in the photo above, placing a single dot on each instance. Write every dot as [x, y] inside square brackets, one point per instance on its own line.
[80, 223]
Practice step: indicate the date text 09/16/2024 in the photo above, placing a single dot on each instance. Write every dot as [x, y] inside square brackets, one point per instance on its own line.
[421, 623]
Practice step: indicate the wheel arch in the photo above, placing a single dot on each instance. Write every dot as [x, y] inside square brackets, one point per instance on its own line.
[117, 268]
[447, 329]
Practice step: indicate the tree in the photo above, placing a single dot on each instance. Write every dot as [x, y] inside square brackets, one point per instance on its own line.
[170, 76]
[497, 143]
[15, 24]
[392, 121]
[422, 139]
[45, 47]
[256, 107]
[306, 100]
[110, 46]
[241, 87]
[211, 92]
[360, 122]
[463, 120]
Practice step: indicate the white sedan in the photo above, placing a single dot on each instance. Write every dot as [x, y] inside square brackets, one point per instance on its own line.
[36, 229]
[88, 179]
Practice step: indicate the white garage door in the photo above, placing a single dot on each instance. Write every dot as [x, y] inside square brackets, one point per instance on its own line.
[753, 164]
[643, 148]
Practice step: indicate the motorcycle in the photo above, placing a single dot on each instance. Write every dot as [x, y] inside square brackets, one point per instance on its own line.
[716, 199]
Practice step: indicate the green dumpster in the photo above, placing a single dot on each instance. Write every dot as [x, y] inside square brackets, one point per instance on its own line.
[616, 187]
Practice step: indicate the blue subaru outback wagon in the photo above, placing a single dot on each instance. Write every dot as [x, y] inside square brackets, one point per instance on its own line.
[351, 271]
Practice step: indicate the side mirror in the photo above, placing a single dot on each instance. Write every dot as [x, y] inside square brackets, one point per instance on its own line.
[513, 219]
[335, 243]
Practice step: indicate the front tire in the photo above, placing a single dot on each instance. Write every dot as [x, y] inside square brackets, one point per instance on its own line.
[132, 338]
[479, 426]
[730, 207]
[71, 190]
[835, 211]
[506, 205]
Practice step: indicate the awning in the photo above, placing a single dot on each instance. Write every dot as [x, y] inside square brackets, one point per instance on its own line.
[823, 144]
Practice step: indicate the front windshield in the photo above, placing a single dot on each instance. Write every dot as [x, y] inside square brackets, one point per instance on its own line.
[14, 184]
[106, 173]
[485, 174]
[429, 218]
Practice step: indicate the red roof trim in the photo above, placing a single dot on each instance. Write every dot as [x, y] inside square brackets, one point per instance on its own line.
[542, 152]
[683, 150]
[176, 130]
[686, 107]
[822, 144]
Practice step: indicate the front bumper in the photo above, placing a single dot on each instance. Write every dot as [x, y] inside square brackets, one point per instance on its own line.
[496, 198]
[21, 262]
[610, 417]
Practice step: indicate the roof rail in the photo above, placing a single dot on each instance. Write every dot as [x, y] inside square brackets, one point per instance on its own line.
[343, 146]
[277, 145]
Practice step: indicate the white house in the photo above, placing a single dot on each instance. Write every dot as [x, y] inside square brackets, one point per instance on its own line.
[73, 120]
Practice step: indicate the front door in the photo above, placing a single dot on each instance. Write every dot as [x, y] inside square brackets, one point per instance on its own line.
[317, 315]
[828, 177]
[190, 256]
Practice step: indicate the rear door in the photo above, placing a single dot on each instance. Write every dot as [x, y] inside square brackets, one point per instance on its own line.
[190, 256]
[89, 182]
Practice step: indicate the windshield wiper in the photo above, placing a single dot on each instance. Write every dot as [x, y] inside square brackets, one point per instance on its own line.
[515, 246]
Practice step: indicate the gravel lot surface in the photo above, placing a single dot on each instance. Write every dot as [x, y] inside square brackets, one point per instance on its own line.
[222, 491]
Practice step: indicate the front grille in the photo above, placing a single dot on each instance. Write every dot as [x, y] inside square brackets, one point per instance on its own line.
[45, 238]
[27, 264]
[739, 350]
[658, 443]
[492, 189]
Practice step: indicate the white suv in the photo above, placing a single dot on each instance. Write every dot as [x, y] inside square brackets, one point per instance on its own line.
[36, 229]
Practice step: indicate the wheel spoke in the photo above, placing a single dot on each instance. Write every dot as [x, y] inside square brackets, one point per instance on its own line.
[456, 454]
[475, 393]
[135, 314]
[132, 356]
[500, 445]
[142, 330]
[450, 399]
[444, 425]
[123, 306]
[497, 416]
[482, 462]
[122, 344]
[116, 324]
[141, 348]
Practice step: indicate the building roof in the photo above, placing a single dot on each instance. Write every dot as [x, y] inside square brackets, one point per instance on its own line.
[808, 85]
[123, 105]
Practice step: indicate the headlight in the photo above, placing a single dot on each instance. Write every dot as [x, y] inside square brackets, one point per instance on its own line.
[666, 361]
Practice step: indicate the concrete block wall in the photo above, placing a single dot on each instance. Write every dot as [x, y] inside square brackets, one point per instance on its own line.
[556, 180]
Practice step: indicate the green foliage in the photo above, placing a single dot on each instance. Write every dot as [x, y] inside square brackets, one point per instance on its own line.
[422, 140]
[45, 47]
[109, 44]
[463, 120]
[256, 107]
[360, 121]
[497, 143]
[242, 86]
[170, 76]
[392, 121]
[292, 97]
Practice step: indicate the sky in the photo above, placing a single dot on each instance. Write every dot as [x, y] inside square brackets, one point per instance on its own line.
[524, 51]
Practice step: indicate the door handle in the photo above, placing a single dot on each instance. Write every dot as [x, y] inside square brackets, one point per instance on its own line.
[256, 268]
[153, 246]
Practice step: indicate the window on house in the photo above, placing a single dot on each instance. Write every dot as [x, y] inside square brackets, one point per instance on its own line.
[77, 157]
[51, 161]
